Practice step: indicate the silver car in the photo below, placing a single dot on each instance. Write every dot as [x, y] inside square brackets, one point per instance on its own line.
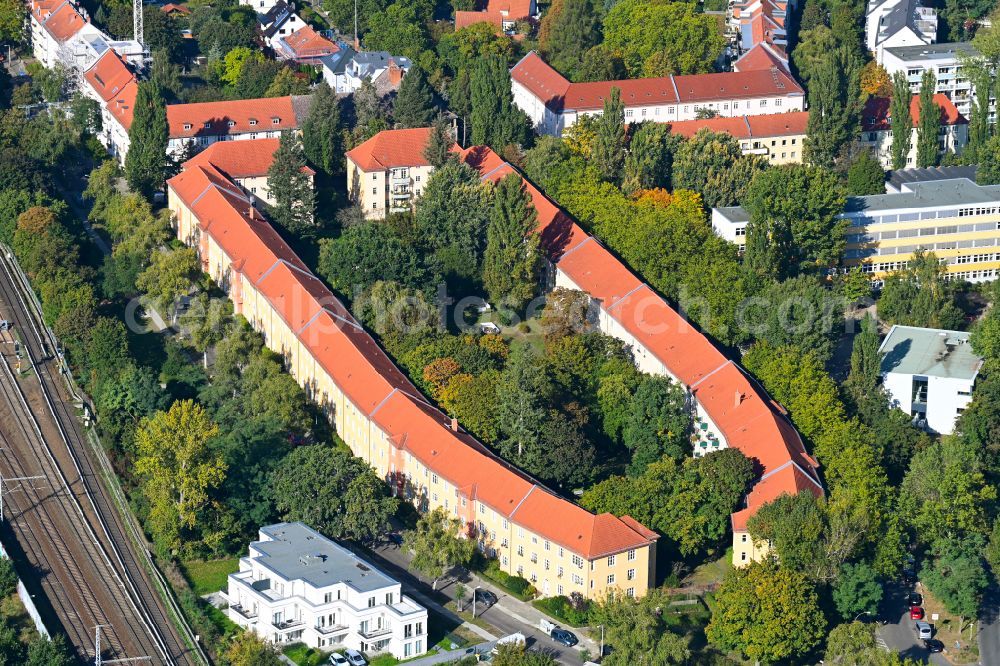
[923, 630]
[337, 659]
[355, 658]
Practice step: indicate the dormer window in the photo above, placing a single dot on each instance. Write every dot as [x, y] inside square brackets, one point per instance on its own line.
[208, 125]
[187, 126]
[231, 123]
[275, 120]
[253, 121]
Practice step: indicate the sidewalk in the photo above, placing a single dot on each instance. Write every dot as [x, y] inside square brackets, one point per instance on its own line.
[519, 615]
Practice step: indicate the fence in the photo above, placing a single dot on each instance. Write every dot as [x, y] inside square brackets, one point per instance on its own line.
[29, 604]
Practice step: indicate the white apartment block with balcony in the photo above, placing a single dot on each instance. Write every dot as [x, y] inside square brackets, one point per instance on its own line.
[298, 586]
[945, 60]
[898, 23]
[929, 374]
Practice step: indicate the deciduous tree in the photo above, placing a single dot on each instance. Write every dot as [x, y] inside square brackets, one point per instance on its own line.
[857, 590]
[658, 423]
[865, 176]
[569, 29]
[928, 123]
[437, 544]
[900, 121]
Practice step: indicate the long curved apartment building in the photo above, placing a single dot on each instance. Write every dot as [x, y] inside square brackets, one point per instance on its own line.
[424, 456]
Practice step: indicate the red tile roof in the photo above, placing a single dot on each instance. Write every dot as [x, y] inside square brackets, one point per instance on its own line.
[746, 127]
[239, 159]
[374, 385]
[516, 9]
[246, 115]
[121, 106]
[876, 114]
[64, 22]
[463, 19]
[760, 56]
[108, 76]
[171, 7]
[392, 148]
[557, 93]
[306, 43]
[742, 411]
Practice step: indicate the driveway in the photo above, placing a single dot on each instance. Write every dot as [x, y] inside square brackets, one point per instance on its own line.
[898, 633]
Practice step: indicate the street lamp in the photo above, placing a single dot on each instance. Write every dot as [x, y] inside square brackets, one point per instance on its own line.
[601, 653]
[474, 590]
[860, 614]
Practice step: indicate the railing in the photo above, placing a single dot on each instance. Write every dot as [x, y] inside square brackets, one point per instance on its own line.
[332, 628]
[243, 612]
[287, 624]
[373, 633]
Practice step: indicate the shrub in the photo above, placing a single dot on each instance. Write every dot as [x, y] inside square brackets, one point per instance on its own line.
[8, 577]
[570, 611]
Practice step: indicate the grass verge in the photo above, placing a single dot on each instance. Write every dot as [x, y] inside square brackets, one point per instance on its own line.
[209, 576]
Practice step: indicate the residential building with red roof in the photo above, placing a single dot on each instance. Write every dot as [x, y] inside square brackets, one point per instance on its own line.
[386, 173]
[504, 14]
[174, 9]
[425, 456]
[876, 128]
[305, 46]
[245, 163]
[778, 137]
[553, 103]
[117, 120]
[195, 126]
[729, 408]
[760, 27]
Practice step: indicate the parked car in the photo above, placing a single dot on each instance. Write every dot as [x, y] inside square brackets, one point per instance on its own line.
[355, 658]
[484, 599]
[923, 630]
[909, 576]
[933, 645]
[915, 599]
[916, 613]
[567, 638]
[337, 659]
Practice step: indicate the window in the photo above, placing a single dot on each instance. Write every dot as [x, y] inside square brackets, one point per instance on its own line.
[388, 599]
[631, 574]
[187, 126]
[327, 598]
[630, 592]
[434, 478]
[631, 555]
[611, 579]
[371, 602]
[777, 102]
[743, 557]
[763, 102]
[420, 630]
[744, 539]
[482, 509]
[275, 121]
[231, 123]
[611, 560]
[546, 565]
[520, 550]
[578, 561]
[374, 205]
[559, 572]
[374, 190]
[407, 647]
[418, 646]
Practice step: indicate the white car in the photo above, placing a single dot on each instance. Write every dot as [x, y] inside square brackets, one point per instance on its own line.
[355, 658]
[923, 630]
[337, 659]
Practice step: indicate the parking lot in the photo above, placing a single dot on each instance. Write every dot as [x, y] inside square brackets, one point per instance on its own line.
[898, 632]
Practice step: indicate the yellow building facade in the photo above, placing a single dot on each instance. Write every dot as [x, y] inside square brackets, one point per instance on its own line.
[552, 542]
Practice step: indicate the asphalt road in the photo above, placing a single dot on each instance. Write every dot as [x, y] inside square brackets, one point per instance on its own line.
[989, 627]
[899, 634]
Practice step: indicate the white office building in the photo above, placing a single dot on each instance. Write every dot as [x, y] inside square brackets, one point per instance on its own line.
[298, 586]
[929, 374]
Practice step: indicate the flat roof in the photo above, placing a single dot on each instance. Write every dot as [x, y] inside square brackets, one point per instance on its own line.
[931, 51]
[934, 352]
[298, 552]
[934, 194]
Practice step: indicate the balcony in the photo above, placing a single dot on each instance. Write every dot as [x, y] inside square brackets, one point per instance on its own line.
[245, 613]
[397, 177]
[401, 193]
[331, 629]
[287, 624]
[375, 633]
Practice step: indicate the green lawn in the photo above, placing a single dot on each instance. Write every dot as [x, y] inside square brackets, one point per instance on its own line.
[209, 576]
[303, 655]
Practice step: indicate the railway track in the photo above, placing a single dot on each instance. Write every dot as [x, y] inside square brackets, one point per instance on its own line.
[115, 559]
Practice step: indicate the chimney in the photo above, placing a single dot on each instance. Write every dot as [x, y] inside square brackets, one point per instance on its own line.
[395, 73]
[454, 424]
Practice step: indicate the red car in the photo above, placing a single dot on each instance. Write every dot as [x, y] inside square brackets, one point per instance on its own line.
[916, 613]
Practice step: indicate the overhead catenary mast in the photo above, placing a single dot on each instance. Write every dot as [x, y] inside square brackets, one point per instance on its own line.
[137, 22]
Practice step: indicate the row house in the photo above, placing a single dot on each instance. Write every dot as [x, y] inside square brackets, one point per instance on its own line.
[246, 164]
[424, 456]
[295, 585]
[777, 137]
[955, 218]
[728, 408]
[386, 173]
[876, 128]
[946, 61]
[554, 104]
[193, 127]
[898, 23]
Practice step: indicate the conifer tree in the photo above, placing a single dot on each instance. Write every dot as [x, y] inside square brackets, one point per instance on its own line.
[291, 187]
[512, 260]
[146, 162]
[414, 106]
[899, 120]
[929, 122]
[438, 150]
[609, 144]
[496, 122]
[322, 132]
